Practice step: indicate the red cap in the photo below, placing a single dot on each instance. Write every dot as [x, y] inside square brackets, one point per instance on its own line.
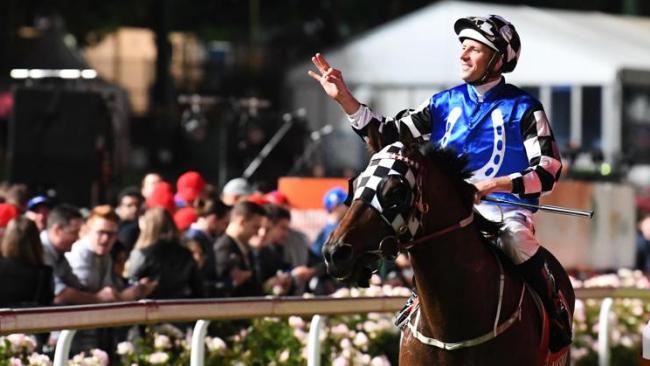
[8, 212]
[189, 186]
[257, 198]
[162, 195]
[277, 198]
[185, 217]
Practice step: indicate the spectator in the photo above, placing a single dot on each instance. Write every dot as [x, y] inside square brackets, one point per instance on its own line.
[129, 209]
[278, 234]
[159, 255]
[24, 279]
[17, 195]
[91, 262]
[7, 213]
[148, 183]
[270, 269]
[234, 266]
[90, 257]
[333, 202]
[235, 190]
[162, 195]
[213, 218]
[190, 187]
[62, 231]
[184, 218]
[295, 246]
[119, 256]
[38, 208]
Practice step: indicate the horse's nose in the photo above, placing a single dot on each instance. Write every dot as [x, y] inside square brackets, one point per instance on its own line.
[339, 257]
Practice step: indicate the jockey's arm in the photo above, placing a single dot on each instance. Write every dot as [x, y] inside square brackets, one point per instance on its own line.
[418, 122]
[543, 158]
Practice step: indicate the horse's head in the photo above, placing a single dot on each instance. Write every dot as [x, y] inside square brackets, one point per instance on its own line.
[383, 208]
[388, 205]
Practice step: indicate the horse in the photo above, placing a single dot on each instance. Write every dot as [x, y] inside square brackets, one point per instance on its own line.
[474, 309]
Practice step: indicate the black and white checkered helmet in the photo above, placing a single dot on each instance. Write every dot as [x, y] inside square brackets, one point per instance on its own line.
[496, 33]
[367, 186]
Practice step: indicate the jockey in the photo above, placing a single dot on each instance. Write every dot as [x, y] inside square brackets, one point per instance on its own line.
[503, 132]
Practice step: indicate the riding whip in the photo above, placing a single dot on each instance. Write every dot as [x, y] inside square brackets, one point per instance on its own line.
[554, 209]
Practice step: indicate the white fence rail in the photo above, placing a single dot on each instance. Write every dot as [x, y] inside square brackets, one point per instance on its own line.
[34, 320]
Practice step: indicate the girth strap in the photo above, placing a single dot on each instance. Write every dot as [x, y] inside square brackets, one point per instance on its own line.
[470, 342]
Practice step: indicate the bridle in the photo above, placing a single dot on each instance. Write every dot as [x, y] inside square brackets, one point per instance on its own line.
[405, 220]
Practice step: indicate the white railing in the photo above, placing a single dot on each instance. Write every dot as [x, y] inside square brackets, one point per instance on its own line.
[34, 320]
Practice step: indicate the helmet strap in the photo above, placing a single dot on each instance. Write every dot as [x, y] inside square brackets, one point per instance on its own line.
[489, 71]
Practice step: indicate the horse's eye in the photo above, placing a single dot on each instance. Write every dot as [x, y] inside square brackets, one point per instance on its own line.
[398, 194]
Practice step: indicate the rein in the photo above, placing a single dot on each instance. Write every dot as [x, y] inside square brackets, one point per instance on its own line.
[459, 225]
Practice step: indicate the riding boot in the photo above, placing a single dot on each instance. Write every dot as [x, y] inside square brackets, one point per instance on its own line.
[538, 276]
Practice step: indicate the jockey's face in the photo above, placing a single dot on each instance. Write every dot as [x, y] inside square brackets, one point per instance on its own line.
[474, 60]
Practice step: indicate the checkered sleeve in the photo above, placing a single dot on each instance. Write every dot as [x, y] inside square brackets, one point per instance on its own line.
[418, 121]
[543, 157]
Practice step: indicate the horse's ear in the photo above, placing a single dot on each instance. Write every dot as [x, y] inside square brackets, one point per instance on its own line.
[374, 138]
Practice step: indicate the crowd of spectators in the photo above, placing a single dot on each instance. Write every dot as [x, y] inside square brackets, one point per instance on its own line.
[157, 242]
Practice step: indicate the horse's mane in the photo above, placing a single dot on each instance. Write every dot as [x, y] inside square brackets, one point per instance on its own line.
[455, 168]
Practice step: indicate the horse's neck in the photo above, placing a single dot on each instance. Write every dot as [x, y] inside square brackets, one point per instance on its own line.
[457, 282]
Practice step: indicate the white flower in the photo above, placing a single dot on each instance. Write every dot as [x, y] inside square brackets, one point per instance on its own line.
[125, 348]
[626, 341]
[162, 342]
[400, 291]
[284, 356]
[15, 362]
[342, 292]
[374, 316]
[20, 342]
[360, 340]
[380, 361]
[355, 292]
[369, 326]
[215, 344]
[37, 359]
[340, 329]
[340, 361]
[345, 343]
[296, 322]
[100, 356]
[158, 358]
[362, 359]
[375, 279]
[301, 335]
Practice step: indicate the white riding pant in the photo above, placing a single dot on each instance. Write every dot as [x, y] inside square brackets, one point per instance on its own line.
[517, 235]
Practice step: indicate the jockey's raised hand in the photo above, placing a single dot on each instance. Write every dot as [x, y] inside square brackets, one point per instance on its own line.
[332, 82]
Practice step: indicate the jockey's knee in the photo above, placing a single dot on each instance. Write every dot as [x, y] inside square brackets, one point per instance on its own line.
[517, 238]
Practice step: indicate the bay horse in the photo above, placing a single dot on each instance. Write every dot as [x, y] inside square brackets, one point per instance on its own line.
[474, 309]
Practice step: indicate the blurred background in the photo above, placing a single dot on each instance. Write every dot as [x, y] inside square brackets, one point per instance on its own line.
[93, 95]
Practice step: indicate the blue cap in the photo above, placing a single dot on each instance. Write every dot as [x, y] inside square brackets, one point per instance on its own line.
[38, 200]
[334, 197]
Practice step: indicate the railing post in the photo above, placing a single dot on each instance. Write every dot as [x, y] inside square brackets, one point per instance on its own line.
[198, 343]
[603, 332]
[62, 351]
[313, 345]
